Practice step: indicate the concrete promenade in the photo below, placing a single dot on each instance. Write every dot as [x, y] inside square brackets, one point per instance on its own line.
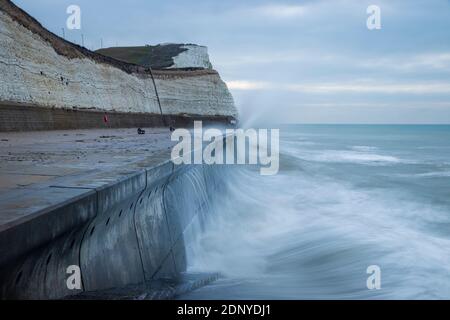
[58, 187]
[28, 158]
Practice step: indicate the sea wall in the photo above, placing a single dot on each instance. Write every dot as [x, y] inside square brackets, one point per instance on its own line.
[130, 230]
[40, 69]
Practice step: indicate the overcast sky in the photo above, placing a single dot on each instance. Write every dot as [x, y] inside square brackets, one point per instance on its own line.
[293, 61]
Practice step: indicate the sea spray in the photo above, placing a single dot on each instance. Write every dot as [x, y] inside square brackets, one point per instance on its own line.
[313, 230]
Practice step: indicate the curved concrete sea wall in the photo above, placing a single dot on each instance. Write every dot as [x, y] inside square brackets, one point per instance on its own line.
[132, 230]
[41, 70]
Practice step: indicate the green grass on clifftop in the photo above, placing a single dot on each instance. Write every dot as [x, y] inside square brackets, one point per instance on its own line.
[156, 57]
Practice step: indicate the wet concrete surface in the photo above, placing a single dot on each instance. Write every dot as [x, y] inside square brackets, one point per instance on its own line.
[27, 158]
[108, 201]
[162, 289]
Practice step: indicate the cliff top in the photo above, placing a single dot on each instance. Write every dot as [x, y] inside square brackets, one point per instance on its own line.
[162, 56]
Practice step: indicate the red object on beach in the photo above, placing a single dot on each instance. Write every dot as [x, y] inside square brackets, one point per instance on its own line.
[105, 118]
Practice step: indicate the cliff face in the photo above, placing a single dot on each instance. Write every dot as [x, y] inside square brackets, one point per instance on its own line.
[194, 56]
[40, 69]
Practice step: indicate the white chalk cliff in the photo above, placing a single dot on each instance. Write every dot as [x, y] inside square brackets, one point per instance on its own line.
[38, 68]
[194, 57]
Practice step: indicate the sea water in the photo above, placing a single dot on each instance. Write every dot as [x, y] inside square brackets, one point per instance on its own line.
[347, 197]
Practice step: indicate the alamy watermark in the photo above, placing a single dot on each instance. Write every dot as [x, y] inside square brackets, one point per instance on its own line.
[73, 281]
[374, 280]
[374, 19]
[234, 146]
[73, 22]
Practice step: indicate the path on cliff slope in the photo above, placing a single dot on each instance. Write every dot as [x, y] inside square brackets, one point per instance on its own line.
[27, 158]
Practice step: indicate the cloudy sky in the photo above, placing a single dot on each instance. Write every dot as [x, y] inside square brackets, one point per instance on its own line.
[293, 61]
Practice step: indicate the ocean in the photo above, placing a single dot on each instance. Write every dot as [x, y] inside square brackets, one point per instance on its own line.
[346, 197]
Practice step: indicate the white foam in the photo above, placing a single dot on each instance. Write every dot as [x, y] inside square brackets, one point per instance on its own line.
[342, 156]
[356, 157]
[321, 235]
[434, 174]
[364, 148]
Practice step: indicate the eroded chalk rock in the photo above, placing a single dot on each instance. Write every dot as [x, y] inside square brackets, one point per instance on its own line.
[40, 69]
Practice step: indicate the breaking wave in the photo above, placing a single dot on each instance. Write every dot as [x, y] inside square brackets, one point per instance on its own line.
[312, 231]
